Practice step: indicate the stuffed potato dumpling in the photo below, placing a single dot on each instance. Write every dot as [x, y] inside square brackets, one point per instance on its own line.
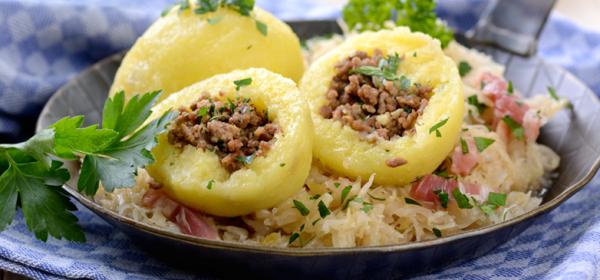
[183, 48]
[241, 142]
[388, 103]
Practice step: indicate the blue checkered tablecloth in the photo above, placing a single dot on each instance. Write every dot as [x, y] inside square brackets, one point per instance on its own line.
[45, 43]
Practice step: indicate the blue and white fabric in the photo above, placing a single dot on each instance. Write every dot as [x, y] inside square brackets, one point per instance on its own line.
[44, 43]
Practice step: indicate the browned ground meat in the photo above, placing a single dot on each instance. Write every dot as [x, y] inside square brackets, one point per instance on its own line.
[372, 104]
[234, 129]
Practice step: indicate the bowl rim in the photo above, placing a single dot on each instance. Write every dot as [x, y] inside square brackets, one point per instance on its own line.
[325, 251]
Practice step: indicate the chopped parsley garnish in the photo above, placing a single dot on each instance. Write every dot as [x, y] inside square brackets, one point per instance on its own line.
[442, 173]
[31, 176]
[494, 201]
[323, 210]
[461, 200]
[243, 7]
[464, 68]
[215, 20]
[443, 196]
[386, 69]
[375, 198]
[437, 126]
[337, 185]
[210, 184]
[473, 100]
[510, 88]
[482, 143]
[515, 128]
[552, 92]
[242, 83]
[367, 207]
[463, 146]
[498, 199]
[301, 208]
[245, 159]
[437, 232]
[293, 237]
[262, 27]
[203, 112]
[418, 15]
[316, 221]
[315, 197]
[348, 202]
[345, 192]
[409, 200]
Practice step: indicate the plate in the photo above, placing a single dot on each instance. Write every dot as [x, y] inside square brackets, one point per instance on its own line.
[573, 134]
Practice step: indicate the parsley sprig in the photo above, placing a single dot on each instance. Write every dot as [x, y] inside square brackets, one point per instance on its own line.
[418, 15]
[243, 7]
[31, 176]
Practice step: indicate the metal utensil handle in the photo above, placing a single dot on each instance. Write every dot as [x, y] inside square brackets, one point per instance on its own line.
[513, 25]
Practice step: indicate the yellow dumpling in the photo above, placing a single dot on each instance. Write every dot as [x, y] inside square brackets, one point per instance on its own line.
[341, 148]
[183, 48]
[195, 177]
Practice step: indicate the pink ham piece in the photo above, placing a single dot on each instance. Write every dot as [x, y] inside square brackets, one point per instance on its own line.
[496, 89]
[424, 188]
[463, 164]
[188, 221]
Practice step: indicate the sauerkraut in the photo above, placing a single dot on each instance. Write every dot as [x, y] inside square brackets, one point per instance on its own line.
[338, 212]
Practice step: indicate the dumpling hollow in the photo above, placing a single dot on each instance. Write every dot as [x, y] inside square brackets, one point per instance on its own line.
[388, 103]
[242, 142]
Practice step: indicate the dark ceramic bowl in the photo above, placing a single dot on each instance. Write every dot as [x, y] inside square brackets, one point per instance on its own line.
[574, 135]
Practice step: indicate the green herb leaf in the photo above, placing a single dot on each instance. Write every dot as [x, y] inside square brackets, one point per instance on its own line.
[464, 68]
[367, 207]
[215, 20]
[210, 184]
[323, 210]
[443, 196]
[482, 143]
[510, 88]
[463, 146]
[316, 221]
[262, 27]
[437, 126]
[345, 192]
[368, 71]
[36, 188]
[552, 92]
[404, 83]
[461, 200]
[242, 83]
[301, 208]
[497, 199]
[315, 197]
[293, 237]
[409, 200]
[437, 232]
[516, 128]
[203, 111]
[69, 138]
[206, 6]
[473, 100]
[245, 159]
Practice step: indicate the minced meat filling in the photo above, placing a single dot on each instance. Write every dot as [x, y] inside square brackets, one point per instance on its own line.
[369, 102]
[234, 129]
